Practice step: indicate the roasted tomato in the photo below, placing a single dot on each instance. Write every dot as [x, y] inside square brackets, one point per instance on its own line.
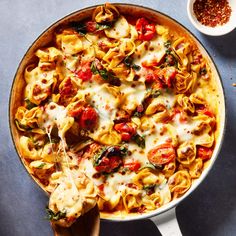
[161, 154]
[109, 164]
[133, 166]
[204, 110]
[89, 118]
[85, 115]
[127, 130]
[84, 73]
[91, 26]
[204, 153]
[146, 31]
[167, 75]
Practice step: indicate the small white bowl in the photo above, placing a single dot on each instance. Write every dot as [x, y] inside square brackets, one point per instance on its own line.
[214, 31]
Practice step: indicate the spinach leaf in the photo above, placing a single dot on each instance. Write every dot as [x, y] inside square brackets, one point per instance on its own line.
[79, 27]
[98, 156]
[55, 216]
[41, 165]
[29, 104]
[128, 61]
[109, 151]
[203, 71]
[104, 26]
[138, 139]
[106, 75]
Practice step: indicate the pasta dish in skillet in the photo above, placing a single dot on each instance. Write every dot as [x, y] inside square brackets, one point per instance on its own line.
[118, 110]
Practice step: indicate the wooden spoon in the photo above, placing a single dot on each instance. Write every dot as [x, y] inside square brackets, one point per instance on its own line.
[86, 225]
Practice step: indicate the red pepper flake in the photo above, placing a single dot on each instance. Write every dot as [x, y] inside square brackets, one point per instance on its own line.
[212, 12]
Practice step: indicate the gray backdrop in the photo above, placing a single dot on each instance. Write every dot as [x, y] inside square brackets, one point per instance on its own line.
[210, 210]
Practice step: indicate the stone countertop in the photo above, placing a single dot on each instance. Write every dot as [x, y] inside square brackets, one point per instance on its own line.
[210, 210]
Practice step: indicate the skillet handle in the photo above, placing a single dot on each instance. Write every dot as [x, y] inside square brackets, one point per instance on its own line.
[167, 223]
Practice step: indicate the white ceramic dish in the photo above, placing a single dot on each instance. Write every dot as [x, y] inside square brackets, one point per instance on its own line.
[213, 31]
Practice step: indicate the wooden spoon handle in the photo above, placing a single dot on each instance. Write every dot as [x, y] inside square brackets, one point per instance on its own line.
[86, 225]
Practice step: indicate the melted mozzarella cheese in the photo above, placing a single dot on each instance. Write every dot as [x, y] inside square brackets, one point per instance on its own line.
[116, 183]
[86, 166]
[121, 29]
[184, 131]
[150, 51]
[133, 95]
[53, 115]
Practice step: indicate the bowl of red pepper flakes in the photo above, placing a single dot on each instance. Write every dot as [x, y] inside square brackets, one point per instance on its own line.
[212, 17]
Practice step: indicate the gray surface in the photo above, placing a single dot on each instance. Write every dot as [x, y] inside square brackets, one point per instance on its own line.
[210, 210]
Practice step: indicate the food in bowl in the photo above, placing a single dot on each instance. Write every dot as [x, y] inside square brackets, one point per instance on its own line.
[119, 110]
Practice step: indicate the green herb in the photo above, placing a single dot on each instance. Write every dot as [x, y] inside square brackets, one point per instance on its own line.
[41, 165]
[138, 114]
[106, 75]
[129, 63]
[21, 126]
[29, 104]
[203, 71]
[123, 151]
[138, 139]
[149, 187]
[108, 151]
[153, 93]
[79, 27]
[149, 165]
[55, 216]
[167, 44]
[98, 156]
[104, 26]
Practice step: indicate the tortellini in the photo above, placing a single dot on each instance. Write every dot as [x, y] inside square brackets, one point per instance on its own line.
[186, 153]
[179, 183]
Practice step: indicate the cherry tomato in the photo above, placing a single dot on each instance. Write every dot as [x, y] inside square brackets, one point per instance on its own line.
[108, 164]
[76, 111]
[133, 166]
[151, 63]
[89, 118]
[85, 72]
[161, 154]
[204, 153]
[126, 130]
[150, 78]
[91, 26]
[125, 136]
[205, 111]
[146, 31]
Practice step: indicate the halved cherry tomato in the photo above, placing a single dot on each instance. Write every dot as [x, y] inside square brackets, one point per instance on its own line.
[127, 130]
[161, 154]
[91, 26]
[89, 118]
[133, 166]
[146, 31]
[204, 153]
[108, 164]
[85, 72]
